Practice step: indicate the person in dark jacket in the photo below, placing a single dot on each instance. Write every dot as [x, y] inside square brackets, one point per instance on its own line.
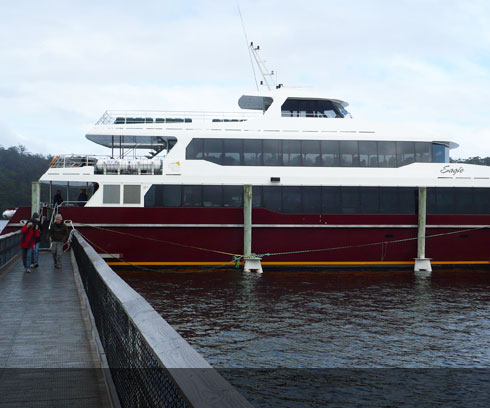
[36, 222]
[27, 242]
[58, 198]
[82, 197]
[58, 234]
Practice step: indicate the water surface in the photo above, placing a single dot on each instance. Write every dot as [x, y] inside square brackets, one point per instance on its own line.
[289, 334]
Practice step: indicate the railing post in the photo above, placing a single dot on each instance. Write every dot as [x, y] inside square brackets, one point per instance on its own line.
[247, 220]
[251, 262]
[421, 262]
[35, 197]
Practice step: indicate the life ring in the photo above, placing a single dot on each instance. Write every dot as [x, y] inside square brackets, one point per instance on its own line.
[54, 160]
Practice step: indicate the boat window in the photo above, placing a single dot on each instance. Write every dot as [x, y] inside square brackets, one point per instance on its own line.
[111, 194]
[462, 201]
[291, 199]
[440, 153]
[312, 200]
[233, 196]
[422, 152]
[330, 153]
[213, 150]
[256, 197]
[233, 149]
[405, 153]
[369, 197]
[172, 196]
[331, 202]
[481, 200]
[445, 200]
[272, 152]
[311, 108]
[387, 154]
[212, 196]
[255, 102]
[272, 198]
[291, 152]
[349, 153]
[195, 150]
[311, 152]
[132, 194]
[326, 200]
[407, 200]
[351, 203]
[388, 200]
[252, 152]
[192, 196]
[368, 154]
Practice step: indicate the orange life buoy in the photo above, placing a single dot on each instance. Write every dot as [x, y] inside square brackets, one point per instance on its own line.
[54, 160]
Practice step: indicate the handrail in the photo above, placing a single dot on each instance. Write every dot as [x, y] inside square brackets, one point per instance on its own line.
[9, 247]
[171, 117]
[150, 363]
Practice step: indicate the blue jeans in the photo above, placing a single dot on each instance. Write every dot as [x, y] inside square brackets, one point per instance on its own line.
[35, 253]
[27, 257]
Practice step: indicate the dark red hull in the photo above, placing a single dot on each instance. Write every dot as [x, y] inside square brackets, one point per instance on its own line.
[212, 236]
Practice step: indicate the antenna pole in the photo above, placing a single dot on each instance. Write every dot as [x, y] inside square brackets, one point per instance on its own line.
[246, 42]
[266, 74]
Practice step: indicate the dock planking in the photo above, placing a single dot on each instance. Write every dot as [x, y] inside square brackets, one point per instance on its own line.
[46, 354]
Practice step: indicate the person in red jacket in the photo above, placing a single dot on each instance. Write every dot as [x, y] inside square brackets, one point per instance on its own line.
[29, 233]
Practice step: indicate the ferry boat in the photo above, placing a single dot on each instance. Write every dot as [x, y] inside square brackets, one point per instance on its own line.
[327, 190]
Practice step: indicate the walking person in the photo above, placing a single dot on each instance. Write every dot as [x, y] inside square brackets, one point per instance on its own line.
[36, 222]
[59, 234]
[27, 242]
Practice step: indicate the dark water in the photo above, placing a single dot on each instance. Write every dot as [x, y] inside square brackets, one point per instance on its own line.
[343, 338]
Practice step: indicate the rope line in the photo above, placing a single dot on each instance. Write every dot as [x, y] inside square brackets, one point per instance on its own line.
[139, 266]
[371, 243]
[237, 257]
[161, 240]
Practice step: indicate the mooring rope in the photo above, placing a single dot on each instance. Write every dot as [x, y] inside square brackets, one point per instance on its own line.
[238, 257]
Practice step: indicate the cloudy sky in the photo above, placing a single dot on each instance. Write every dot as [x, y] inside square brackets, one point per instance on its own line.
[423, 63]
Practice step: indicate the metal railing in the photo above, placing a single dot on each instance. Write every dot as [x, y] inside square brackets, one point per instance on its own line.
[9, 247]
[150, 363]
[172, 117]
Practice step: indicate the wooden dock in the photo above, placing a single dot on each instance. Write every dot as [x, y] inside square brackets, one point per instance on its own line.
[47, 356]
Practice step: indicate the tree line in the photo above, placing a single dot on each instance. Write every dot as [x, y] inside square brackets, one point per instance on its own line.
[19, 168]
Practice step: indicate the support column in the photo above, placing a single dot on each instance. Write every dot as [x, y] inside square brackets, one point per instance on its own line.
[247, 220]
[251, 262]
[36, 197]
[421, 262]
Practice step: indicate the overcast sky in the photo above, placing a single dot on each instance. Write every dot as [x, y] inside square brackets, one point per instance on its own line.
[424, 63]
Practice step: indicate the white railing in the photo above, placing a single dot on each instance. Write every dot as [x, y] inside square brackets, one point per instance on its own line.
[172, 117]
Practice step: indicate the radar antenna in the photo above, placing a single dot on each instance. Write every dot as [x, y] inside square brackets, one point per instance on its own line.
[266, 74]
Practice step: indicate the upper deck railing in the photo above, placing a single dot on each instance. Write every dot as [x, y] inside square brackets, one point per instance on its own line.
[111, 117]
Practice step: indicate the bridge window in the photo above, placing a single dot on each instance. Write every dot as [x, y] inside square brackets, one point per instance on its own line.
[440, 153]
[312, 108]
